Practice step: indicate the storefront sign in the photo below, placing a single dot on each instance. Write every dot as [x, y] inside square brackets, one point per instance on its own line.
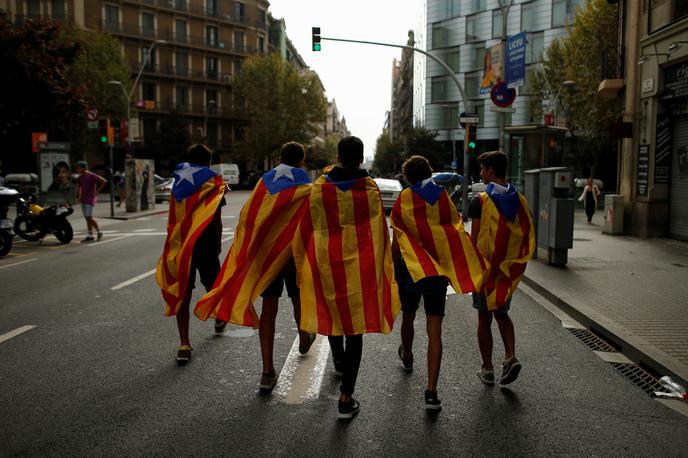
[642, 170]
[676, 82]
[663, 149]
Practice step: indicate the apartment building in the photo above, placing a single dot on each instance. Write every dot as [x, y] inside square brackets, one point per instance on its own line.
[401, 114]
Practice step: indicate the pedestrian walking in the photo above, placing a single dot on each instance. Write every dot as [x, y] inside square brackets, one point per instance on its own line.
[121, 187]
[88, 186]
[260, 261]
[589, 196]
[193, 243]
[503, 231]
[431, 248]
[344, 263]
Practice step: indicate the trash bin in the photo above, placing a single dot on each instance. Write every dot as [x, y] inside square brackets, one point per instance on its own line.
[614, 209]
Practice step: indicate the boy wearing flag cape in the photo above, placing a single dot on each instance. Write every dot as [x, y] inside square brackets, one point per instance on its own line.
[260, 262]
[194, 231]
[503, 230]
[431, 249]
[344, 265]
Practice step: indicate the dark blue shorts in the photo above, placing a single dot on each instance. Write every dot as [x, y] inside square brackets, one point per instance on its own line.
[208, 268]
[433, 290]
[480, 304]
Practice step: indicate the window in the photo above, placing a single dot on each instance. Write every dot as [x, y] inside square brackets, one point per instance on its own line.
[181, 62]
[239, 41]
[111, 18]
[180, 30]
[57, 9]
[211, 137]
[149, 91]
[471, 86]
[527, 17]
[211, 67]
[440, 36]
[238, 12]
[148, 58]
[471, 28]
[453, 59]
[497, 23]
[479, 5]
[33, 8]
[558, 13]
[180, 4]
[480, 110]
[479, 58]
[535, 46]
[450, 116]
[262, 18]
[148, 24]
[211, 36]
[182, 98]
[438, 90]
[261, 44]
[211, 101]
[452, 8]
[236, 67]
[680, 9]
[211, 7]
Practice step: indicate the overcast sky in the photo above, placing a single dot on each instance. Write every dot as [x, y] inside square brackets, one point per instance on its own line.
[358, 77]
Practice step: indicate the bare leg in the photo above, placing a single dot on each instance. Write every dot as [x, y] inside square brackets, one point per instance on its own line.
[407, 334]
[303, 335]
[506, 330]
[266, 332]
[94, 224]
[183, 319]
[434, 329]
[485, 338]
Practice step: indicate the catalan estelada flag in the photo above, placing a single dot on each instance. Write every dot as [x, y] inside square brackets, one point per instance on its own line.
[506, 240]
[344, 260]
[261, 248]
[432, 239]
[197, 193]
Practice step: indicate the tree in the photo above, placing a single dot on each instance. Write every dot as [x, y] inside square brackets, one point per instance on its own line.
[280, 104]
[418, 141]
[388, 156]
[318, 157]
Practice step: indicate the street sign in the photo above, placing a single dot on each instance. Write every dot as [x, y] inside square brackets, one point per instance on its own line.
[515, 62]
[468, 118]
[92, 115]
[36, 138]
[501, 95]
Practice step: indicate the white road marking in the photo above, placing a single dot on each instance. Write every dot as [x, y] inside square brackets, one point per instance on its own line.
[301, 377]
[450, 290]
[18, 263]
[145, 218]
[227, 238]
[108, 240]
[133, 280]
[16, 332]
[144, 230]
[228, 216]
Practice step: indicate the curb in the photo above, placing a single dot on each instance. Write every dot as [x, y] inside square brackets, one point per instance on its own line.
[635, 348]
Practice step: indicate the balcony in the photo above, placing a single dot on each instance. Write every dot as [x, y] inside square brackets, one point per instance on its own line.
[612, 72]
[182, 72]
[201, 11]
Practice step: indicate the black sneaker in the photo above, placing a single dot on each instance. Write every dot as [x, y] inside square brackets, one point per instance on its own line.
[303, 348]
[510, 370]
[406, 363]
[88, 239]
[184, 354]
[220, 326]
[268, 382]
[432, 402]
[348, 409]
[99, 236]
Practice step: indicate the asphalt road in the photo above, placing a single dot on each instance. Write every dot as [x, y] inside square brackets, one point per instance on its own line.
[97, 376]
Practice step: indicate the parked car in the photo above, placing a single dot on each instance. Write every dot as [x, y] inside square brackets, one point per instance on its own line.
[475, 189]
[389, 190]
[163, 189]
[228, 172]
[452, 183]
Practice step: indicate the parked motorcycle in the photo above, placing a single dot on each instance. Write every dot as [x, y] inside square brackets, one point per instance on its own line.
[35, 222]
[7, 197]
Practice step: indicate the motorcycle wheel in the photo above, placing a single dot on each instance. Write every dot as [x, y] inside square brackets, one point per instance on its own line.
[25, 228]
[5, 243]
[63, 231]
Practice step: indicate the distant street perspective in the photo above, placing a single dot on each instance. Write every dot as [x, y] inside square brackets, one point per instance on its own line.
[319, 228]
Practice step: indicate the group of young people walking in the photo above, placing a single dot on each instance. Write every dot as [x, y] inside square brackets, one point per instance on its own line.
[328, 243]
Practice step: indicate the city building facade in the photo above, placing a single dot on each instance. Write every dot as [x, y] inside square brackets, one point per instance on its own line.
[401, 114]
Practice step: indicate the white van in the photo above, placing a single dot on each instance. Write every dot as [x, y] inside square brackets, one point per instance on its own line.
[228, 172]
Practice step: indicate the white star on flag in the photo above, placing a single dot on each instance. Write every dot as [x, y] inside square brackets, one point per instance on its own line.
[186, 173]
[284, 170]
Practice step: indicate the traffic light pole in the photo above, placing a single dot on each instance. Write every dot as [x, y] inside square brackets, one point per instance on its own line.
[450, 72]
[112, 184]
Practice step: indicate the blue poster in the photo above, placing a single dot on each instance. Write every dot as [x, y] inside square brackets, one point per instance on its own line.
[515, 62]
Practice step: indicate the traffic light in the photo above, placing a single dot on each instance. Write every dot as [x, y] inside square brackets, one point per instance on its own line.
[106, 133]
[471, 141]
[316, 38]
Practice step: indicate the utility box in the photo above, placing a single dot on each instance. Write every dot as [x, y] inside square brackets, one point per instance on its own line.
[555, 215]
[614, 209]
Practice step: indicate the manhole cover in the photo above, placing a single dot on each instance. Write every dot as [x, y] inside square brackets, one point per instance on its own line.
[592, 340]
[639, 377]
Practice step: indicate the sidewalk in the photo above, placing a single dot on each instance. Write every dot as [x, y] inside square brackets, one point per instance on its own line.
[102, 210]
[633, 292]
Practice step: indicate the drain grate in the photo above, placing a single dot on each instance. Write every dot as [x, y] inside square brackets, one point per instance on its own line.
[592, 340]
[636, 374]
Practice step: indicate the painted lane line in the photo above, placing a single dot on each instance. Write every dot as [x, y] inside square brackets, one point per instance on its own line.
[16, 332]
[144, 230]
[301, 376]
[450, 290]
[18, 263]
[133, 280]
[108, 240]
[227, 238]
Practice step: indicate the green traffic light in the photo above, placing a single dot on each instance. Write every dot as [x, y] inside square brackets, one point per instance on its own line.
[471, 145]
[103, 139]
[316, 46]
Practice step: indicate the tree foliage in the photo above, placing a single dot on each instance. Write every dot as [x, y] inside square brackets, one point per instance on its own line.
[320, 156]
[280, 104]
[389, 156]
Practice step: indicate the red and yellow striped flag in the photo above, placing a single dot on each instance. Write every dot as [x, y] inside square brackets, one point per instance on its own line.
[433, 241]
[187, 219]
[344, 260]
[507, 246]
[261, 248]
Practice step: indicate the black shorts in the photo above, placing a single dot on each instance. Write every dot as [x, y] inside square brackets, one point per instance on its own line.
[433, 290]
[287, 276]
[208, 268]
[480, 304]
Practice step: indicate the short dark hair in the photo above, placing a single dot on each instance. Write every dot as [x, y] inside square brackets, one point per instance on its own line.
[416, 168]
[350, 151]
[199, 154]
[496, 160]
[292, 153]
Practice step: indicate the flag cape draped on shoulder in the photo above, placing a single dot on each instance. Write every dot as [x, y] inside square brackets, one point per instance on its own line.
[197, 193]
[261, 248]
[507, 246]
[344, 260]
[432, 238]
